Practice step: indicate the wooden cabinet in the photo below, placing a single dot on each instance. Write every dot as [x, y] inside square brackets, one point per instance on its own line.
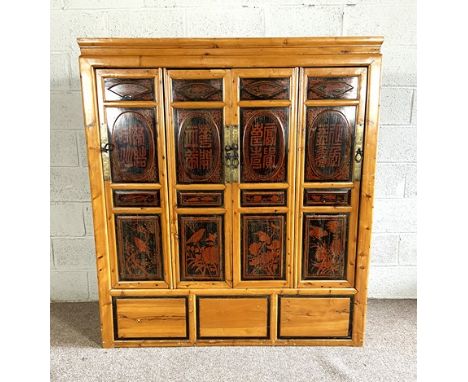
[232, 188]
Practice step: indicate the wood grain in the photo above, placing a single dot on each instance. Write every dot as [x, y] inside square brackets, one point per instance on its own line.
[233, 317]
[146, 318]
[314, 317]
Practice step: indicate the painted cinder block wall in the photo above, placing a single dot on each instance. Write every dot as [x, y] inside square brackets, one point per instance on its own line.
[72, 259]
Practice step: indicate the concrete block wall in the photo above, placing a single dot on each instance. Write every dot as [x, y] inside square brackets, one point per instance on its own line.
[393, 272]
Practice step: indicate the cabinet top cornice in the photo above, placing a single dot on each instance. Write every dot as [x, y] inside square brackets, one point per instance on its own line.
[247, 46]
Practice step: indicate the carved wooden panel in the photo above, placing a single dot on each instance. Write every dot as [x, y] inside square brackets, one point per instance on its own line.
[264, 88]
[197, 90]
[325, 246]
[201, 247]
[129, 89]
[136, 198]
[261, 198]
[139, 247]
[199, 145]
[327, 197]
[263, 247]
[200, 199]
[329, 143]
[264, 142]
[332, 88]
[132, 138]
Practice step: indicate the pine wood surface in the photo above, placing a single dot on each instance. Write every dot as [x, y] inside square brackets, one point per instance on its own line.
[235, 311]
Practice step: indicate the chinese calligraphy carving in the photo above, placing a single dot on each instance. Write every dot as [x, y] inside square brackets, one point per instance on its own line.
[201, 248]
[263, 247]
[199, 137]
[330, 135]
[133, 157]
[324, 246]
[139, 247]
[263, 135]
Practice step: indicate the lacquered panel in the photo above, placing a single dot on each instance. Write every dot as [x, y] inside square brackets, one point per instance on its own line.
[264, 140]
[201, 247]
[327, 197]
[263, 247]
[197, 90]
[329, 143]
[259, 198]
[136, 198]
[129, 89]
[264, 88]
[199, 145]
[132, 138]
[325, 246]
[139, 248]
[200, 199]
[332, 88]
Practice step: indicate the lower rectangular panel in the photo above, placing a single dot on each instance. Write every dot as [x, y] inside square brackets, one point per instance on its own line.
[233, 317]
[314, 317]
[151, 318]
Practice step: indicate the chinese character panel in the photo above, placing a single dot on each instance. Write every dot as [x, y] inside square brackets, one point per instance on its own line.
[199, 137]
[325, 246]
[263, 247]
[133, 150]
[329, 143]
[201, 248]
[139, 247]
[264, 142]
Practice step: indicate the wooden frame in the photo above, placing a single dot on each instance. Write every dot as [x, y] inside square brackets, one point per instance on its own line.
[203, 54]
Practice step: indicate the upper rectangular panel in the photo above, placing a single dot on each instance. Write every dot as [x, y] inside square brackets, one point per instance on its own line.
[332, 88]
[264, 88]
[197, 90]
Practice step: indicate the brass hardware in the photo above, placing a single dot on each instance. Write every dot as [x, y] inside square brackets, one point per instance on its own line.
[227, 155]
[358, 156]
[107, 147]
[106, 171]
[235, 158]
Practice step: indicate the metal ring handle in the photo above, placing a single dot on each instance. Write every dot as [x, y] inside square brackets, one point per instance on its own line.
[358, 155]
[107, 147]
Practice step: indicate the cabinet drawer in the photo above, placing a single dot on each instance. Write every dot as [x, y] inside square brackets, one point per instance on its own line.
[233, 317]
[314, 317]
[151, 318]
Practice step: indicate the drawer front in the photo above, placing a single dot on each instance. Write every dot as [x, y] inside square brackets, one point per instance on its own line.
[327, 197]
[233, 317]
[314, 317]
[158, 318]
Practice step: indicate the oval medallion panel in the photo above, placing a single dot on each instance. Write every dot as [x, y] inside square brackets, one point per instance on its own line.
[133, 145]
[263, 154]
[330, 135]
[198, 138]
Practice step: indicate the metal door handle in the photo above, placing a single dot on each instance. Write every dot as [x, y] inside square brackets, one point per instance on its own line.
[107, 147]
[358, 155]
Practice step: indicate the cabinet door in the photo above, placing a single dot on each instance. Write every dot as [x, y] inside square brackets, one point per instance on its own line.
[331, 122]
[263, 137]
[197, 112]
[133, 156]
